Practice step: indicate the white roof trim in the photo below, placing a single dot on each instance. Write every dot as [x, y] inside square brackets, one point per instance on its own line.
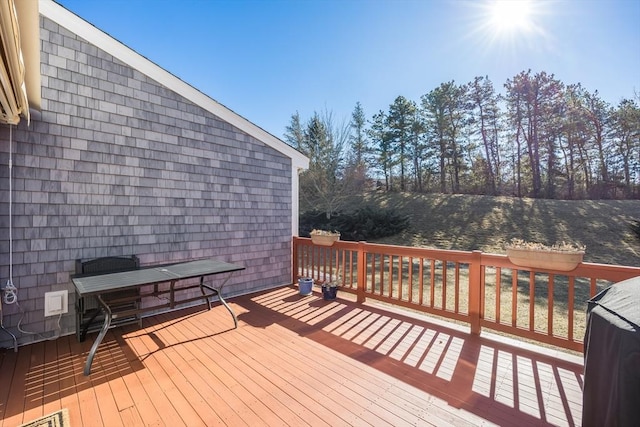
[100, 39]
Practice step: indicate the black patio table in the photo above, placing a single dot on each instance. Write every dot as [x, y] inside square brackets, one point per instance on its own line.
[103, 284]
[611, 393]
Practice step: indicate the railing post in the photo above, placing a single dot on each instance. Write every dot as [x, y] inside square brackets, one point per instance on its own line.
[475, 282]
[362, 272]
[294, 269]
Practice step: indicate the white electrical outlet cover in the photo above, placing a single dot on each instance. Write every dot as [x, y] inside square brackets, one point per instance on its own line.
[56, 303]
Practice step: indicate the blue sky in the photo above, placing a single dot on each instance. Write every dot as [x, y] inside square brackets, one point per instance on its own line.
[267, 59]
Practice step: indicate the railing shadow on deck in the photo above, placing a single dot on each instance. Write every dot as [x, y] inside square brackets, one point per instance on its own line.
[484, 290]
[54, 369]
[503, 383]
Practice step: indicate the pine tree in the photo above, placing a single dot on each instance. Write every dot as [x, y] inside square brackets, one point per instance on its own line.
[359, 158]
[399, 122]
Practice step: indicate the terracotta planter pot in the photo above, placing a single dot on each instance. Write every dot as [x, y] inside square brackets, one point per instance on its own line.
[324, 239]
[547, 260]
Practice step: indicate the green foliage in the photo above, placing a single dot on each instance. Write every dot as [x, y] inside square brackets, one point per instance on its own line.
[362, 224]
[311, 220]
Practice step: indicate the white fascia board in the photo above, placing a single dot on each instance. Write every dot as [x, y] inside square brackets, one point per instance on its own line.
[105, 42]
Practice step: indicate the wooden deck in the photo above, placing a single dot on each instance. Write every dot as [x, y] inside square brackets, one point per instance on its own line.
[293, 361]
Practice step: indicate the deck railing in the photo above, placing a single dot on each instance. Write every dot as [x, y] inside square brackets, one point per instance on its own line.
[481, 289]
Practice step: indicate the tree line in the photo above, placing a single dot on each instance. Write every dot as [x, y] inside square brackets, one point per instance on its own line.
[541, 139]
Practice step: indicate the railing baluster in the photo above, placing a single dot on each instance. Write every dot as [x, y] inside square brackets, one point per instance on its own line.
[374, 267]
[483, 287]
[514, 298]
[444, 285]
[433, 283]
[383, 282]
[362, 269]
[381, 273]
[345, 268]
[410, 294]
[498, 271]
[456, 301]
[400, 276]
[475, 290]
[390, 288]
[323, 273]
[306, 250]
[570, 308]
[550, 304]
[353, 271]
[421, 281]
[374, 262]
[532, 300]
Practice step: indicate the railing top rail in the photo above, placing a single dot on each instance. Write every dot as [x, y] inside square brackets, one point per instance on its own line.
[613, 273]
[396, 250]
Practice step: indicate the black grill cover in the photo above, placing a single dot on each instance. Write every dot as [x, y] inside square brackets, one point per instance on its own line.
[611, 395]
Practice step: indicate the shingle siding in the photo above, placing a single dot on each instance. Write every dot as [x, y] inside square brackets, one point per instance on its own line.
[116, 164]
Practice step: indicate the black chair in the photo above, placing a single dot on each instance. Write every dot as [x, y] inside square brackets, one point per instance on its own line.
[89, 317]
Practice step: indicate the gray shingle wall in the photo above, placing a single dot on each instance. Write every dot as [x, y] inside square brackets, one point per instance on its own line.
[116, 164]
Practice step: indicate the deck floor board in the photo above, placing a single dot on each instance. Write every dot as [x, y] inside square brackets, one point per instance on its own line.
[294, 360]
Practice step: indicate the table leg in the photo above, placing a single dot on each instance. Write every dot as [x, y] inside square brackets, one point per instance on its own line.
[204, 294]
[84, 328]
[172, 295]
[218, 292]
[100, 337]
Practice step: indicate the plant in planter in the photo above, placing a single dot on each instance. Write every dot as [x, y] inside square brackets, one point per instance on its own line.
[324, 237]
[329, 291]
[330, 288]
[560, 256]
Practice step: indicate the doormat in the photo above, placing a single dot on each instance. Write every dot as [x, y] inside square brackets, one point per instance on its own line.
[57, 419]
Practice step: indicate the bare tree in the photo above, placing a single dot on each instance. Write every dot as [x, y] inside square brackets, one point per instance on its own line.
[626, 131]
[484, 114]
[322, 186]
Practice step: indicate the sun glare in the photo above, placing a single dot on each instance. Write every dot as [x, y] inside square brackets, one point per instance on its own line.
[510, 15]
[510, 25]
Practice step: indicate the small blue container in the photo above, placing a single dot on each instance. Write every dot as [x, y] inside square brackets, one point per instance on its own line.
[305, 286]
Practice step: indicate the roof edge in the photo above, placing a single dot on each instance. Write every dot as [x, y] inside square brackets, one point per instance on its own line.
[102, 40]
